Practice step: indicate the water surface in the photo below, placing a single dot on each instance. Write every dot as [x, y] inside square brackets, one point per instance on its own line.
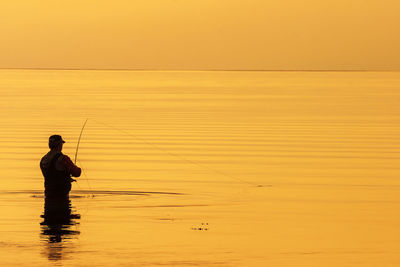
[204, 168]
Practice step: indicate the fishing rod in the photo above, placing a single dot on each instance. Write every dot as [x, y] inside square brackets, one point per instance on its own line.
[76, 155]
[181, 157]
[79, 140]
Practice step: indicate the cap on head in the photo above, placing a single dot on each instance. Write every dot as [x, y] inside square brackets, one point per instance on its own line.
[55, 140]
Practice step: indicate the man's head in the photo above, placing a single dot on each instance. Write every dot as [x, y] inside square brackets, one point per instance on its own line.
[56, 142]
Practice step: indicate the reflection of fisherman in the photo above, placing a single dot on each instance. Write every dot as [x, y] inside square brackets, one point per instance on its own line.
[57, 170]
[57, 227]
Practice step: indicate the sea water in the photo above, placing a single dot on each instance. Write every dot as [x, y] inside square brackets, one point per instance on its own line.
[204, 168]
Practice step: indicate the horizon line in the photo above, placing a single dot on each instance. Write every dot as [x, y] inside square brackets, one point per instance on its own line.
[233, 70]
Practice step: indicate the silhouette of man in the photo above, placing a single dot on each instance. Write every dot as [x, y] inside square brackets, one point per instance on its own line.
[57, 227]
[57, 170]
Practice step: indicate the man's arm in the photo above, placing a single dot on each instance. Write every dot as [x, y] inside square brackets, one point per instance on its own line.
[71, 167]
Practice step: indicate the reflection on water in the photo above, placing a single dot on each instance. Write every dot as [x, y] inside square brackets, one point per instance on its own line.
[159, 154]
[57, 227]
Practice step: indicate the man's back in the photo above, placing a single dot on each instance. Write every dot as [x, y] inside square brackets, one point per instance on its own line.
[57, 170]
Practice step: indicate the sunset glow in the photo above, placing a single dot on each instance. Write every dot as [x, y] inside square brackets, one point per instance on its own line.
[207, 34]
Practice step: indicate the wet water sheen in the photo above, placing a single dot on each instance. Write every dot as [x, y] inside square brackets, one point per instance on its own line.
[203, 168]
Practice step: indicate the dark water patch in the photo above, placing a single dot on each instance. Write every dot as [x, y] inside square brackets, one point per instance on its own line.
[70, 196]
[165, 219]
[335, 201]
[204, 226]
[187, 263]
[14, 245]
[37, 193]
[183, 181]
[305, 253]
[123, 192]
[361, 186]
[163, 206]
[27, 192]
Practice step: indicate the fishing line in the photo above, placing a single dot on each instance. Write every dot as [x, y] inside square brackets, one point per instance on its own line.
[179, 156]
[84, 174]
[78, 185]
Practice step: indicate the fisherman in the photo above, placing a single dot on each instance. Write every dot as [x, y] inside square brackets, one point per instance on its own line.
[57, 170]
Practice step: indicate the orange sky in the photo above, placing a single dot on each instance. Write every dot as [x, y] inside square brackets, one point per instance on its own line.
[206, 34]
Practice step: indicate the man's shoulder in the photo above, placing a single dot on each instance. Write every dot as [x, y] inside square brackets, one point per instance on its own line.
[65, 159]
[46, 157]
